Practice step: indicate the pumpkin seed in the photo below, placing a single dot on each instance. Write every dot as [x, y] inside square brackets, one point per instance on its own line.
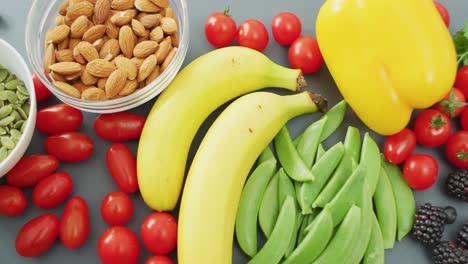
[2, 86]
[22, 89]
[22, 113]
[21, 96]
[7, 120]
[18, 124]
[3, 153]
[11, 77]
[26, 107]
[12, 85]
[5, 111]
[23, 127]
[2, 131]
[9, 95]
[16, 115]
[7, 142]
[3, 74]
[15, 133]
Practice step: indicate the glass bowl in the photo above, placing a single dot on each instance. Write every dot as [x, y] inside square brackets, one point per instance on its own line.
[41, 18]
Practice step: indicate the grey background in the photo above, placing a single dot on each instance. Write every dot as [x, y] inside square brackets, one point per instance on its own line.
[91, 178]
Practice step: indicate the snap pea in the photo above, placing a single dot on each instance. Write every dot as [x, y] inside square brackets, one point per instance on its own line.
[385, 207]
[290, 159]
[315, 241]
[308, 143]
[370, 156]
[293, 241]
[320, 151]
[266, 154]
[347, 195]
[307, 219]
[276, 245]
[249, 205]
[352, 146]
[404, 199]
[341, 245]
[269, 207]
[375, 253]
[322, 170]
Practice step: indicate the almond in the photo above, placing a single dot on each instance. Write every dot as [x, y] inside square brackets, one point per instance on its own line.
[73, 42]
[64, 44]
[93, 94]
[157, 34]
[67, 88]
[63, 8]
[168, 25]
[138, 28]
[66, 68]
[112, 30]
[164, 48]
[57, 34]
[98, 44]
[94, 33]
[60, 20]
[145, 48]
[150, 21]
[137, 61]
[64, 55]
[140, 15]
[101, 11]
[144, 38]
[49, 57]
[75, 10]
[79, 27]
[153, 76]
[57, 77]
[80, 86]
[175, 40]
[168, 59]
[73, 77]
[88, 79]
[130, 87]
[77, 55]
[147, 68]
[100, 68]
[170, 13]
[101, 84]
[109, 50]
[161, 3]
[122, 4]
[123, 17]
[115, 83]
[127, 41]
[147, 6]
[126, 65]
[88, 51]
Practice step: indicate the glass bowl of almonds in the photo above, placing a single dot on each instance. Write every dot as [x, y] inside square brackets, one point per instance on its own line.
[17, 107]
[107, 56]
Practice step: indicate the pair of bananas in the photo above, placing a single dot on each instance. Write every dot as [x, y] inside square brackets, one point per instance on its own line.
[228, 151]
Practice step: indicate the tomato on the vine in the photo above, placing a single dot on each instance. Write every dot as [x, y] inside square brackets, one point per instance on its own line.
[118, 244]
[420, 171]
[452, 104]
[444, 14]
[456, 149]
[304, 54]
[220, 29]
[58, 118]
[117, 208]
[399, 146]
[432, 128]
[461, 82]
[52, 190]
[74, 224]
[286, 28]
[159, 233]
[13, 201]
[70, 146]
[253, 34]
[37, 235]
[158, 260]
[41, 91]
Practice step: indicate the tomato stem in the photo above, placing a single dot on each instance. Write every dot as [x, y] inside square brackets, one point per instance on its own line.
[227, 11]
[437, 122]
[451, 104]
[462, 155]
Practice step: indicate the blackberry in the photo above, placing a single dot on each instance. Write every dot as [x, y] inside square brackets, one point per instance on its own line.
[457, 184]
[462, 238]
[429, 222]
[448, 252]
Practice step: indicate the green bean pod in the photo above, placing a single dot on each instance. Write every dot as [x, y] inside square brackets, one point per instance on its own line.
[341, 246]
[308, 143]
[269, 208]
[375, 253]
[404, 199]
[385, 207]
[278, 242]
[322, 170]
[370, 156]
[249, 206]
[320, 152]
[315, 240]
[290, 159]
[266, 154]
[335, 117]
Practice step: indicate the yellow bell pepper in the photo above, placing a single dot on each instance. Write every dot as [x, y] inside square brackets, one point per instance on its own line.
[387, 57]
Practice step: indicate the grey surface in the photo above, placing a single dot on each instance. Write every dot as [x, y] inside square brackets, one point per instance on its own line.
[91, 178]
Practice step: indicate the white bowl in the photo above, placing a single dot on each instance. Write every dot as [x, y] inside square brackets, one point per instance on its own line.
[14, 62]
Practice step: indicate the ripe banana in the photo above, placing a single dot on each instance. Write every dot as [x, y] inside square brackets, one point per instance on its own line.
[200, 88]
[220, 168]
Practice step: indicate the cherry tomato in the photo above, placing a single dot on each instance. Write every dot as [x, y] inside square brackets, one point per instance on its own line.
[13, 201]
[253, 34]
[286, 28]
[30, 169]
[464, 119]
[304, 54]
[456, 149]
[399, 146]
[452, 104]
[74, 224]
[42, 93]
[70, 146]
[37, 235]
[117, 208]
[122, 167]
[118, 244]
[420, 171]
[432, 128]
[159, 260]
[57, 119]
[52, 190]
[444, 14]
[461, 82]
[220, 29]
[121, 126]
[159, 233]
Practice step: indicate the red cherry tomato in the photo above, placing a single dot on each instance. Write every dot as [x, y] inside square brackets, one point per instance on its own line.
[452, 104]
[52, 190]
[118, 244]
[461, 82]
[159, 260]
[220, 29]
[159, 233]
[42, 93]
[117, 208]
[253, 34]
[464, 119]
[74, 224]
[286, 28]
[122, 167]
[304, 54]
[121, 126]
[444, 14]
[30, 169]
[432, 128]
[13, 201]
[70, 146]
[456, 149]
[57, 119]
[37, 235]
[420, 171]
[399, 146]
